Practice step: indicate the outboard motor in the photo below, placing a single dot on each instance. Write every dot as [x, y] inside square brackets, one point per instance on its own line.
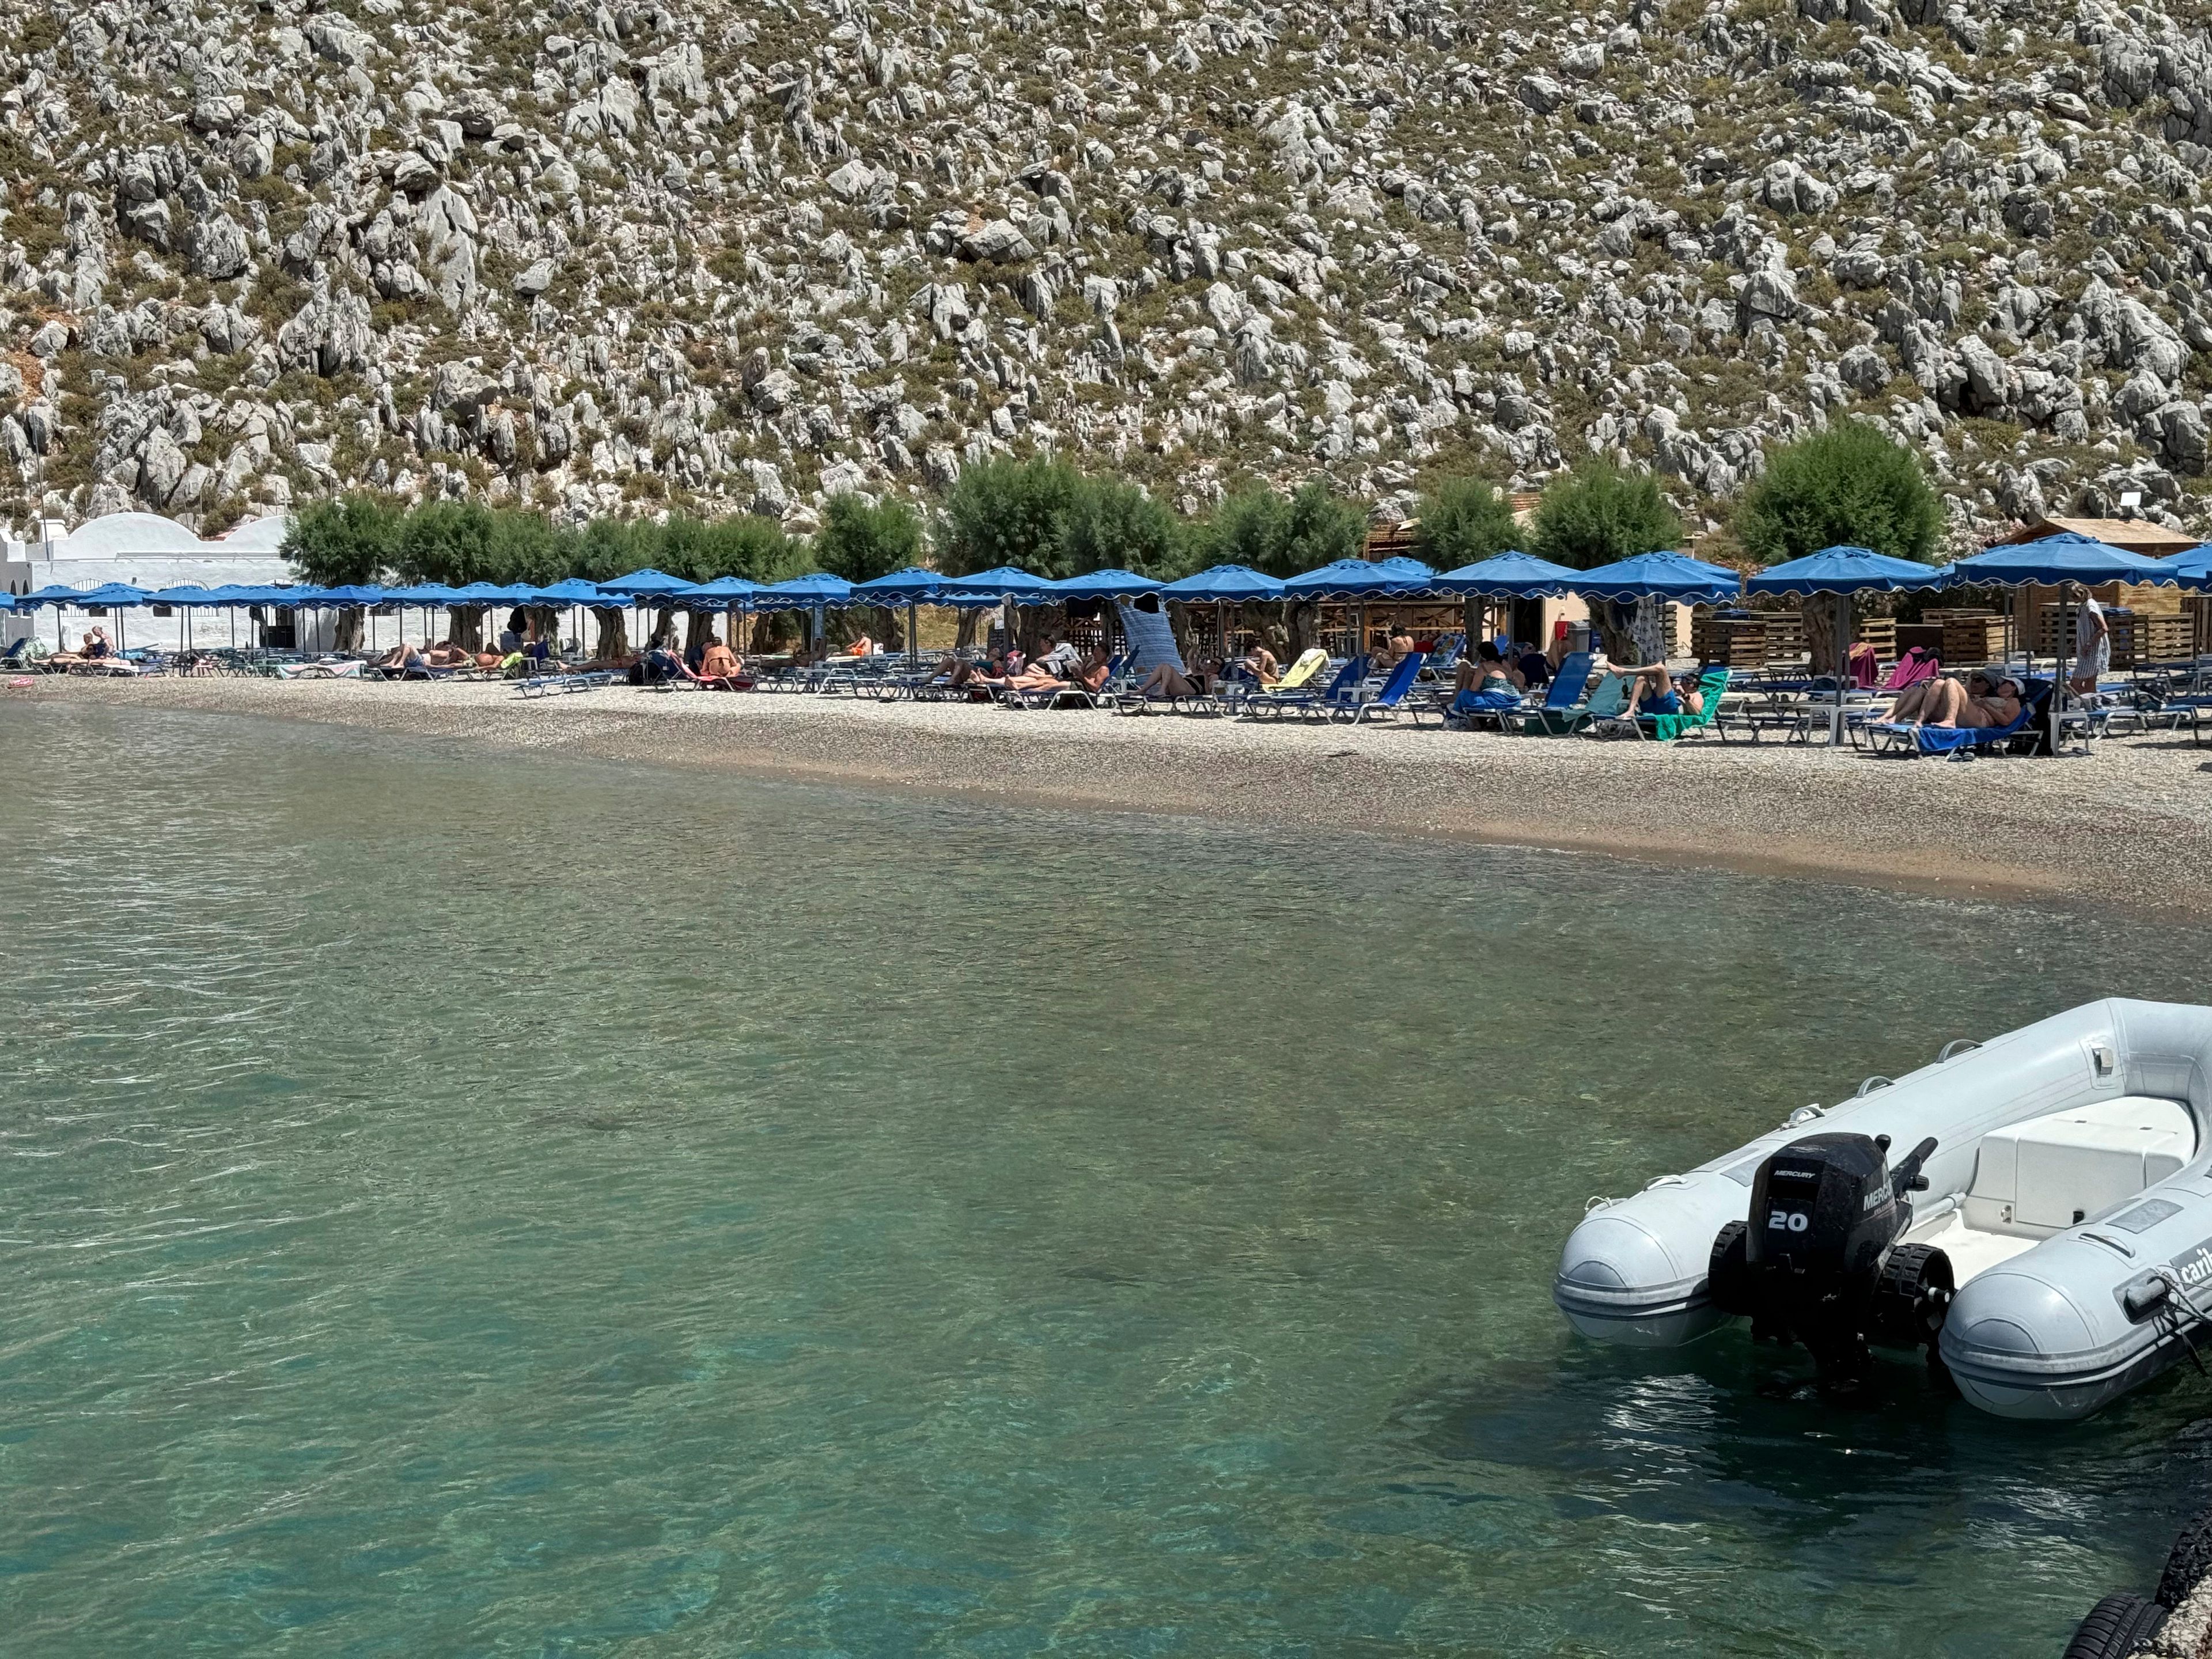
[1818, 1262]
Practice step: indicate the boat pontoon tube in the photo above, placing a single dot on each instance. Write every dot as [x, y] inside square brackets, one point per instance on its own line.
[2070, 1182]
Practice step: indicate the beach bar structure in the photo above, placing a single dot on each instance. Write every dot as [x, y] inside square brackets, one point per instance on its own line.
[141, 550]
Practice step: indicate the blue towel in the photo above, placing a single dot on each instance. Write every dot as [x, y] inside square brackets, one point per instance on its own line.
[1151, 640]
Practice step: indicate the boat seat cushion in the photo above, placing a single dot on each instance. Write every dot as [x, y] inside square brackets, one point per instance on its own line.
[2037, 1177]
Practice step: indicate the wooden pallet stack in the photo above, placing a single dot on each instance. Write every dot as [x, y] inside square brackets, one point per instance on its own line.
[1969, 636]
[1880, 633]
[2165, 638]
[1735, 642]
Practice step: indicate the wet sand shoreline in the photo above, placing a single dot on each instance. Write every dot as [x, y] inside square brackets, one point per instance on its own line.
[2130, 826]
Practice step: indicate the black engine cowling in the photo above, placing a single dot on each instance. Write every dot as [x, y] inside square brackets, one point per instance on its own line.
[1818, 1260]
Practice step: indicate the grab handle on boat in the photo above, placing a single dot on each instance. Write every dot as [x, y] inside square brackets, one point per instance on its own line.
[1597, 1202]
[2145, 1297]
[1869, 1084]
[1803, 1115]
[1957, 1046]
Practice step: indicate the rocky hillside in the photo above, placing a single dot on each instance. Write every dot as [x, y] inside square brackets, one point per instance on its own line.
[605, 258]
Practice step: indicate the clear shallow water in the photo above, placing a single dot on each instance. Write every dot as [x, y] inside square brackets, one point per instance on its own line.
[474, 1205]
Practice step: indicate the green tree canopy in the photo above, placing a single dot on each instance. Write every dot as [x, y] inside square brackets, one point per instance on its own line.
[1111, 523]
[1246, 529]
[1320, 528]
[1600, 513]
[1007, 512]
[1464, 519]
[1850, 486]
[1282, 535]
[861, 540]
[450, 542]
[343, 540]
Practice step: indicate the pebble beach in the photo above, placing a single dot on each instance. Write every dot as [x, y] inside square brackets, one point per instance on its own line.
[2129, 825]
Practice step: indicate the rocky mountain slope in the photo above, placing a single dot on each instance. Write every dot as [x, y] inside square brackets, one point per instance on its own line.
[612, 257]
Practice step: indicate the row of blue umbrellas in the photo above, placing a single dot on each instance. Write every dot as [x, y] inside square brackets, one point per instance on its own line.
[2054, 561]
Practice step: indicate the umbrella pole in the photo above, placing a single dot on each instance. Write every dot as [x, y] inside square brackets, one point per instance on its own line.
[1842, 660]
[2065, 655]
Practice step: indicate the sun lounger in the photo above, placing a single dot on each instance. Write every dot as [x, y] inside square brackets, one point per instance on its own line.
[1276, 699]
[1903, 737]
[1560, 698]
[1389, 700]
[1069, 694]
[548, 686]
[1607, 700]
[1666, 729]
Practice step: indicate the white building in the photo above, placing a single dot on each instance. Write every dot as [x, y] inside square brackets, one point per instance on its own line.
[144, 550]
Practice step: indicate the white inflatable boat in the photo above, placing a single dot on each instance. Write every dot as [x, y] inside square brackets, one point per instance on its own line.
[2045, 1231]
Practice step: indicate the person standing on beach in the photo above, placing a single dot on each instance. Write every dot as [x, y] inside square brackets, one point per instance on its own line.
[2092, 646]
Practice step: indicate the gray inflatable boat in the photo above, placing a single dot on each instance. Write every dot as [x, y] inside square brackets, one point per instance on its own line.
[2034, 1212]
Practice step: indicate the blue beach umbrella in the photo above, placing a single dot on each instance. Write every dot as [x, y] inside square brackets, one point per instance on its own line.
[1363, 579]
[1510, 576]
[2191, 568]
[814, 593]
[912, 588]
[996, 587]
[186, 598]
[2062, 561]
[1222, 585]
[1109, 584]
[733, 594]
[1675, 576]
[2056, 562]
[1229, 584]
[1359, 580]
[118, 596]
[569, 593]
[1844, 571]
[647, 584]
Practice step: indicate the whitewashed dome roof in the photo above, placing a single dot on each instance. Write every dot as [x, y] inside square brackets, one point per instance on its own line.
[264, 535]
[121, 535]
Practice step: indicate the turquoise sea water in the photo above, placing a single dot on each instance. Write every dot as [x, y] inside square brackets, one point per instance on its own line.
[459, 1203]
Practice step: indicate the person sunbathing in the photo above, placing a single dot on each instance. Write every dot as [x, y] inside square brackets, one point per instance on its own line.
[1652, 690]
[1978, 703]
[1169, 681]
[863, 646]
[1485, 680]
[1259, 663]
[721, 669]
[1487, 670]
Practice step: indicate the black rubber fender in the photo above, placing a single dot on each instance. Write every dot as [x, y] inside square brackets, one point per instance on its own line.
[2116, 1628]
[2189, 1561]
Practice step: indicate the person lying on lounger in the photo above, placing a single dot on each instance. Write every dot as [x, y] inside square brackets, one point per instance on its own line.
[1088, 672]
[1653, 691]
[1979, 702]
[1173, 681]
[960, 675]
[402, 658]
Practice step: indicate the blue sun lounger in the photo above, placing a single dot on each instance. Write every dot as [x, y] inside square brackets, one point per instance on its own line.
[1904, 736]
[1560, 699]
[1348, 681]
[1393, 694]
